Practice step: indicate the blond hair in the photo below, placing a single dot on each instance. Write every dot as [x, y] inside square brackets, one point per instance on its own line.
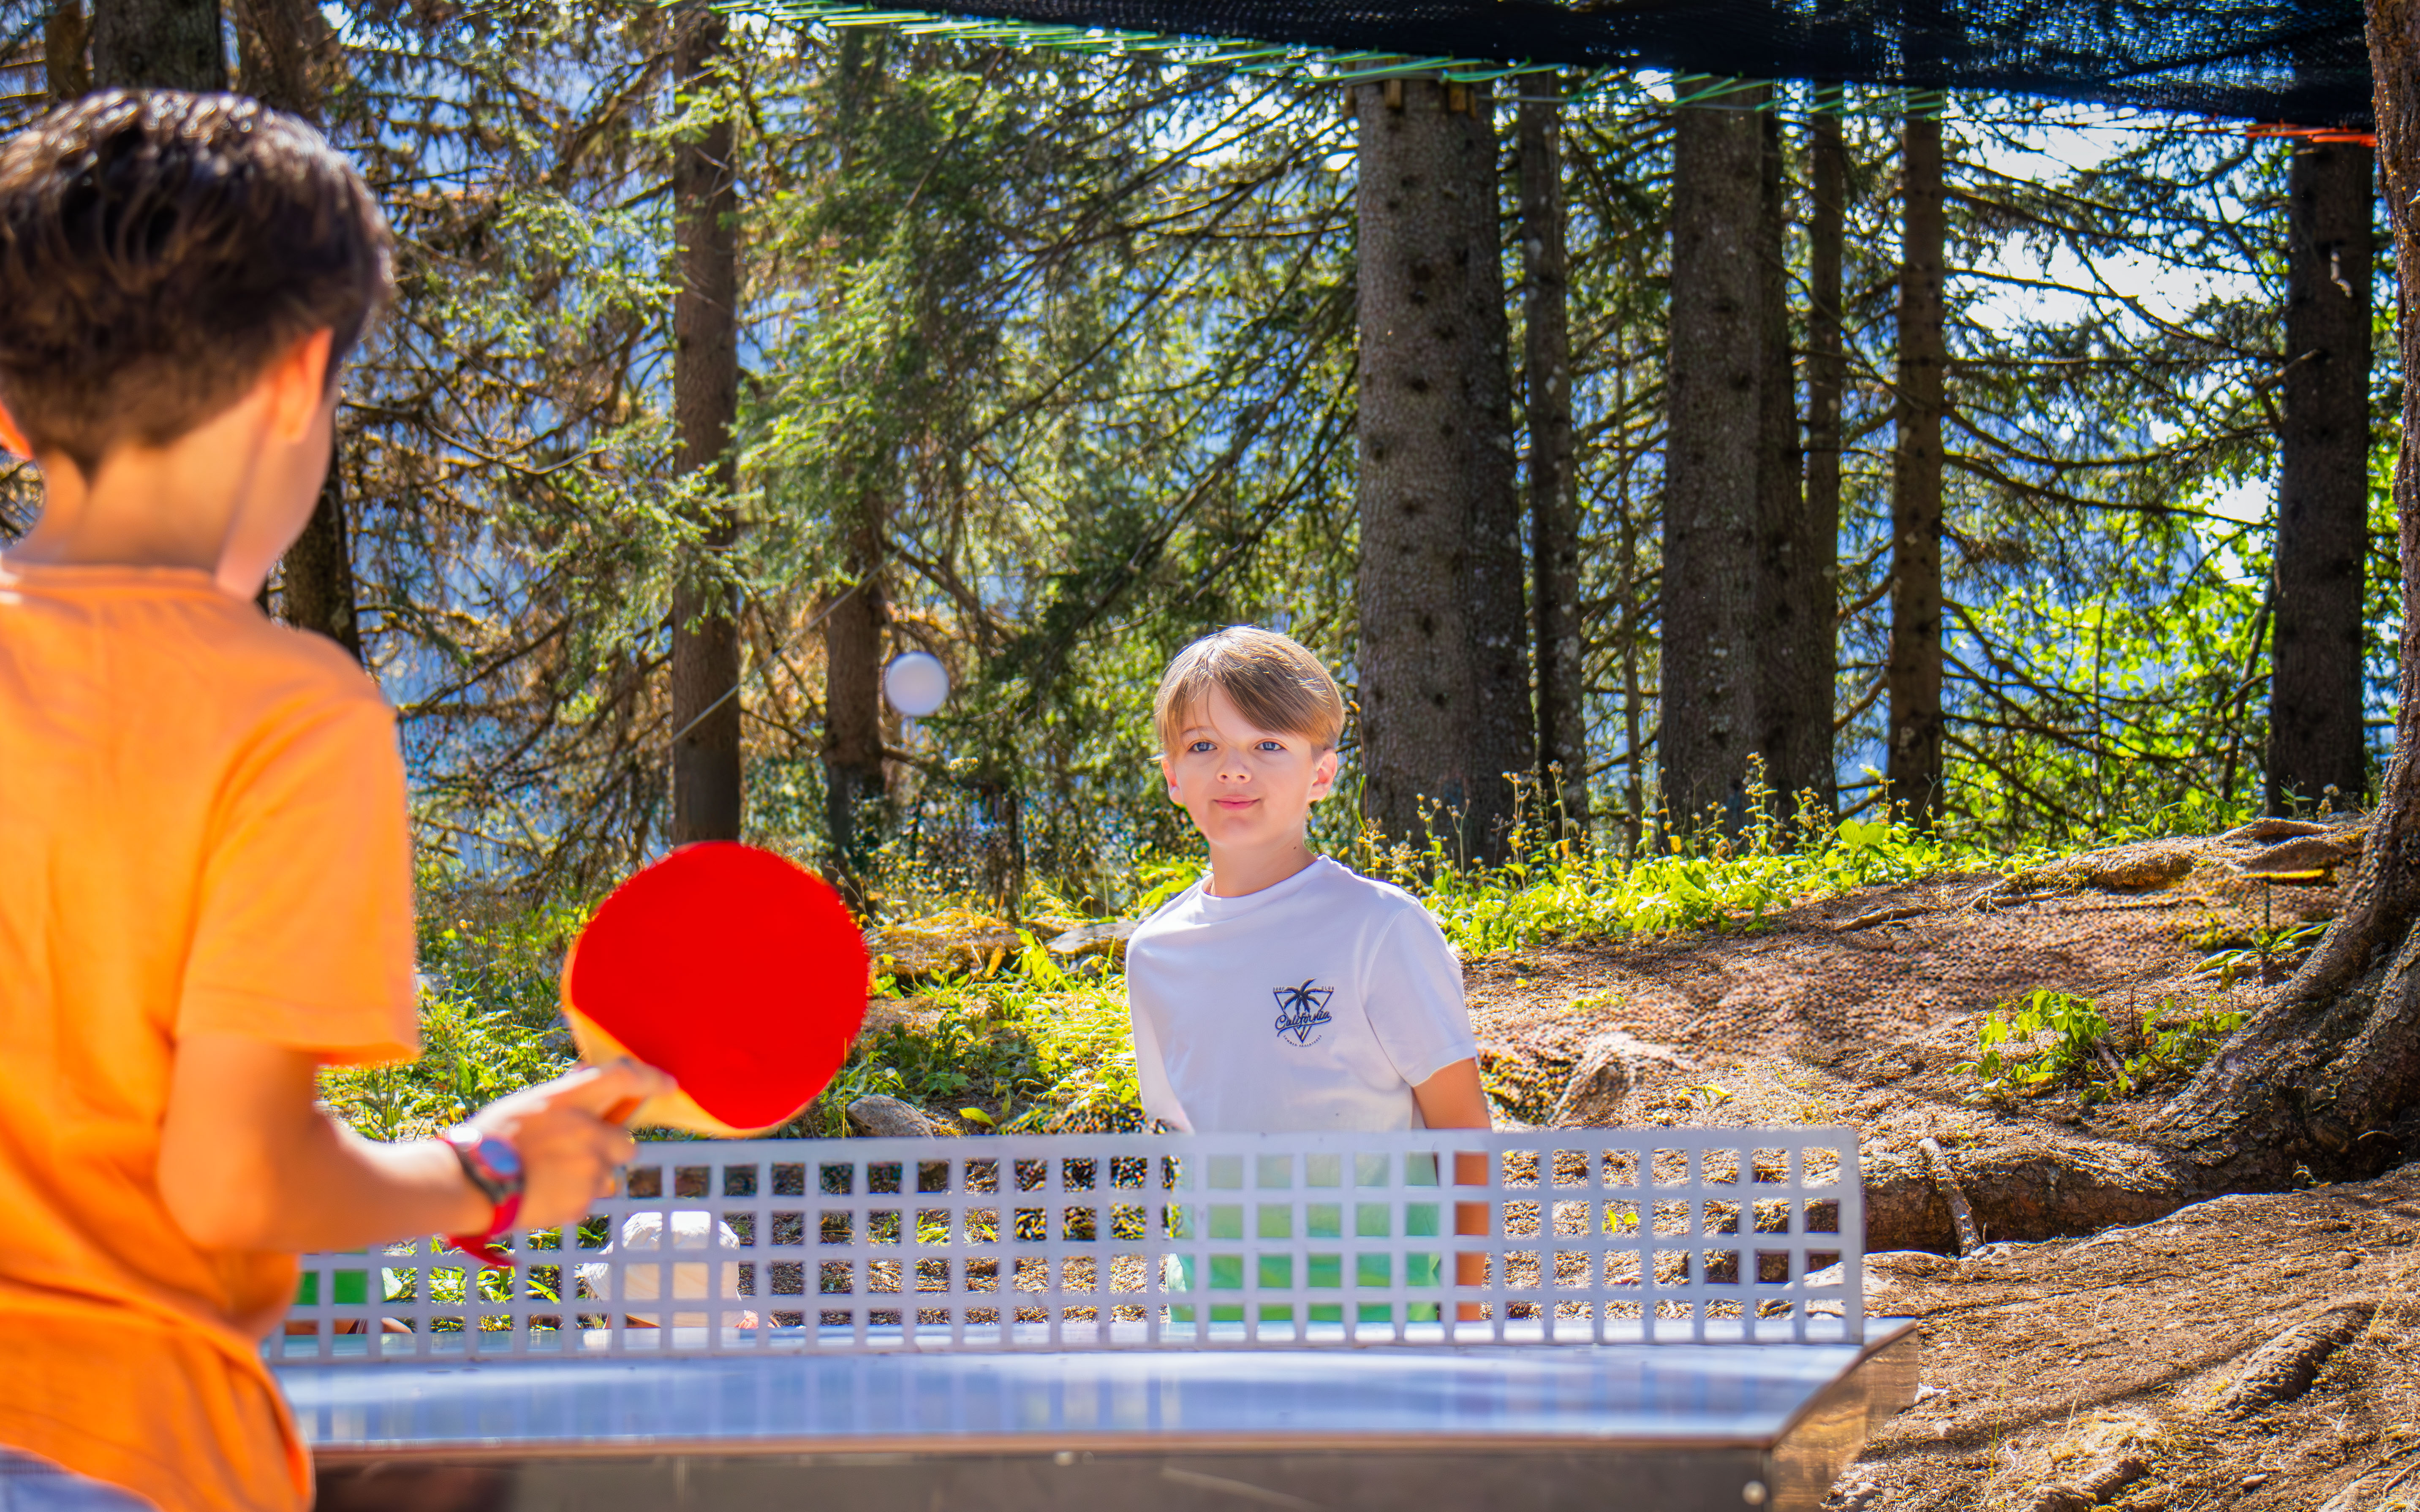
[1272, 679]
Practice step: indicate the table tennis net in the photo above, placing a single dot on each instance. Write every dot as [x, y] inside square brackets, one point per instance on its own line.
[1083, 1241]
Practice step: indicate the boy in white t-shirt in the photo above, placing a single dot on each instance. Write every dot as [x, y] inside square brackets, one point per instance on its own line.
[1283, 993]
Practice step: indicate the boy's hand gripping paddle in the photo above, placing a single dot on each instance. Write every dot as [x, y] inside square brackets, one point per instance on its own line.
[737, 973]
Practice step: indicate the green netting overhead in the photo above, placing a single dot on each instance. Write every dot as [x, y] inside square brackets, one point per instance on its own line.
[2299, 61]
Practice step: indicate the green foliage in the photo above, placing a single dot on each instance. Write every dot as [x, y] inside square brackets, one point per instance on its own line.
[1576, 888]
[1026, 1044]
[2050, 1040]
[2075, 1028]
[489, 1016]
[2263, 950]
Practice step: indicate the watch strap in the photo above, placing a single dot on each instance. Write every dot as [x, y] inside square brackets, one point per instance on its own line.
[494, 1167]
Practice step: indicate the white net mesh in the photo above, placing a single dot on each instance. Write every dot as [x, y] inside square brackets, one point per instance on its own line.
[1165, 1242]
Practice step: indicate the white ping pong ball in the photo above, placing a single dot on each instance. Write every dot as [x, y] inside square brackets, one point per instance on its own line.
[916, 683]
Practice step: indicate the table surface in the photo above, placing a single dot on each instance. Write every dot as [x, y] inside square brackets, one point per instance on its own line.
[1703, 1394]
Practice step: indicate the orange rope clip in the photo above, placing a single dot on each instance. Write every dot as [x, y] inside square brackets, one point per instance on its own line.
[2312, 133]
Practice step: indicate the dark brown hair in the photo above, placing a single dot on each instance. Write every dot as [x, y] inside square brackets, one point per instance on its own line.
[158, 249]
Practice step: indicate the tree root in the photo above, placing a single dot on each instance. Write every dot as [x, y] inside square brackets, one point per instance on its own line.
[1962, 1214]
[2032, 1188]
[2377, 1492]
[2284, 1369]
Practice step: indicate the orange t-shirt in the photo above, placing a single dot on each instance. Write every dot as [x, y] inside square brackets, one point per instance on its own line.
[202, 828]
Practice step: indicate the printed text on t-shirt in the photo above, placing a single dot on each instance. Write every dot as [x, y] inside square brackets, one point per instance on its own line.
[1301, 1011]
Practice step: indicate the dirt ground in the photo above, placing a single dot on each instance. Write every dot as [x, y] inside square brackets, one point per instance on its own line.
[1853, 1010]
[2248, 1351]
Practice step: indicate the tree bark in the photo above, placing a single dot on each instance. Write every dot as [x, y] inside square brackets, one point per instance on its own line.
[1794, 695]
[1443, 689]
[316, 580]
[856, 789]
[1711, 498]
[1914, 679]
[1827, 374]
[1554, 477]
[157, 44]
[2316, 738]
[67, 71]
[1505, 735]
[287, 54]
[2324, 1071]
[706, 403]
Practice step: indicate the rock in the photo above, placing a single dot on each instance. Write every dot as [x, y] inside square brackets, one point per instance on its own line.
[878, 1117]
[2141, 867]
[1598, 1086]
[954, 942]
[1108, 938]
[2284, 1369]
[1609, 1066]
[2269, 831]
[2295, 859]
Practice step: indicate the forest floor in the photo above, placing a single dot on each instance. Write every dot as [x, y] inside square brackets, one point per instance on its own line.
[2250, 1352]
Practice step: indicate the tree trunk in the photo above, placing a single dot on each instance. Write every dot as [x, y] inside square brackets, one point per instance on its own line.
[1711, 500]
[1505, 734]
[1793, 696]
[286, 55]
[2322, 1073]
[317, 576]
[1828, 373]
[855, 788]
[1914, 679]
[1554, 477]
[67, 71]
[157, 44]
[706, 402]
[1443, 690]
[2315, 739]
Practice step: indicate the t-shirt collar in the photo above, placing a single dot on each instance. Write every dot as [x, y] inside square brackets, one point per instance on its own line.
[1215, 907]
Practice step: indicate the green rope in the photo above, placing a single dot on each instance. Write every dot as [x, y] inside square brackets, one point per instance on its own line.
[1610, 87]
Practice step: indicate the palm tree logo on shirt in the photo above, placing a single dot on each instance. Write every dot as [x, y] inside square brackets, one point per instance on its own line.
[1301, 1011]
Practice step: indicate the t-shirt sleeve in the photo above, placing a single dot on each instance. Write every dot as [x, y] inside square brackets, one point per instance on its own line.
[304, 931]
[1414, 998]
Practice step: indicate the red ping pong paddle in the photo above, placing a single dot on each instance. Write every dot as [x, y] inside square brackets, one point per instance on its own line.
[736, 972]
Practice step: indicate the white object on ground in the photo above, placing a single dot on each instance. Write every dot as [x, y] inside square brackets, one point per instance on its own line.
[916, 683]
[642, 1233]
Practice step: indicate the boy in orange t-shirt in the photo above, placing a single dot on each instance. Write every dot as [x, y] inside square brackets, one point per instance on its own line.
[205, 878]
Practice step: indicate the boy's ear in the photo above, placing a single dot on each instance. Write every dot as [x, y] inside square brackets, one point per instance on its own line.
[1323, 774]
[1167, 776]
[299, 385]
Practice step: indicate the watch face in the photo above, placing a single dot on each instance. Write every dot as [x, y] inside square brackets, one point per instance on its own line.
[502, 1157]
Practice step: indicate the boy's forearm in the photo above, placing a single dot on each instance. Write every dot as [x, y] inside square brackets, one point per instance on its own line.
[344, 1192]
[249, 1161]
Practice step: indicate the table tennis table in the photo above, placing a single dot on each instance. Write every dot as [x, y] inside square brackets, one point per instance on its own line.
[1652, 1318]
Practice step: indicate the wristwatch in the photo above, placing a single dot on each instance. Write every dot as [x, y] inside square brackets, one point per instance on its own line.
[494, 1167]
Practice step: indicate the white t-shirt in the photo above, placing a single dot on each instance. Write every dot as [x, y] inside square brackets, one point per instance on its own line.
[1314, 1005]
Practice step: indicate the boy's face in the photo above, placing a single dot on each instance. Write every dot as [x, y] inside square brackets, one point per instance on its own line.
[1245, 786]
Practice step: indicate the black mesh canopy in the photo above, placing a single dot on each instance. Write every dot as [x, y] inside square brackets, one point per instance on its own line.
[2297, 61]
